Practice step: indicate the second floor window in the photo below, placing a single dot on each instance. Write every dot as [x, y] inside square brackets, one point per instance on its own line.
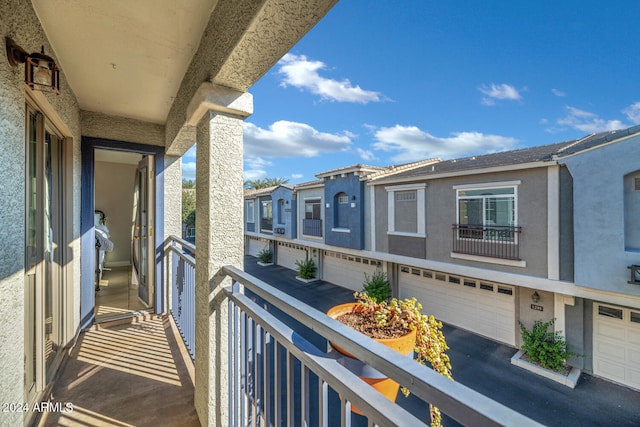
[406, 210]
[312, 209]
[267, 210]
[484, 211]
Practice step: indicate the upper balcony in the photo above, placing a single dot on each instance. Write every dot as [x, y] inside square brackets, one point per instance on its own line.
[493, 241]
[281, 371]
[312, 227]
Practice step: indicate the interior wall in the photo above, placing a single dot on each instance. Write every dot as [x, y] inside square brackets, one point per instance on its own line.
[114, 185]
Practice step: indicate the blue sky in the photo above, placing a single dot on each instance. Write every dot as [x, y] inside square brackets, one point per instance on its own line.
[380, 83]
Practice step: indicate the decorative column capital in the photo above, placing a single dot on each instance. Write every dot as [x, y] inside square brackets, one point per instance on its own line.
[213, 97]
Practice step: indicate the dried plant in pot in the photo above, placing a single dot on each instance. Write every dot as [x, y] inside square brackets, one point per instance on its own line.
[401, 325]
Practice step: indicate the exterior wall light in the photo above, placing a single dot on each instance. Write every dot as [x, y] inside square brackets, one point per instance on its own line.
[535, 297]
[40, 72]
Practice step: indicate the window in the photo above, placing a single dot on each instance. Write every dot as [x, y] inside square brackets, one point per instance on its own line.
[341, 211]
[406, 210]
[487, 213]
[312, 209]
[267, 210]
[250, 211]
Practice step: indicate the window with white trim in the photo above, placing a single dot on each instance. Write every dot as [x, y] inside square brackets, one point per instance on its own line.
[250, 211]
[406, 210]
[486, 212]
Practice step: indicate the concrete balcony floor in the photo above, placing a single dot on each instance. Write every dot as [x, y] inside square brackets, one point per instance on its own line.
[134, 372]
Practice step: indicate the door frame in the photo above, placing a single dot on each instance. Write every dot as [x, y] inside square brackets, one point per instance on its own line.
[87, 294]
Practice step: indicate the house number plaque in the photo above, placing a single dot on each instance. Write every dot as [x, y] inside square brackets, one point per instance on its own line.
[536, 307]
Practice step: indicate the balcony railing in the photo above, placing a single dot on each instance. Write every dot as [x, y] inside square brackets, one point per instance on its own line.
[278, 376]
[312, 227]
[181, 278]
[490, 241]
[266, 225]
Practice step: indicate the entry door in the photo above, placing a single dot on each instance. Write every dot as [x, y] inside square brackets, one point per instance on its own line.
[144, 237]
[43, 281]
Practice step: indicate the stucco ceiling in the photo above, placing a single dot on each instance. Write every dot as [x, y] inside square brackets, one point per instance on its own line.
[125, 57]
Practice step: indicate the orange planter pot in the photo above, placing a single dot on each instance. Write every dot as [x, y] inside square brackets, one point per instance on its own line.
[403, 345]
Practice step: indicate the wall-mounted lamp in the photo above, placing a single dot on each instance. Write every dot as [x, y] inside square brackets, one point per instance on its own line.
[535, 297]
[40, 71]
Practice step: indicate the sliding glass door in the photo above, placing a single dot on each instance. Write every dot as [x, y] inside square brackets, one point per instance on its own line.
[43, 264]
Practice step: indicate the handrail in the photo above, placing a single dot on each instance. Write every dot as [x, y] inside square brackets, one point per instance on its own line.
[328, 369]
[454, 399]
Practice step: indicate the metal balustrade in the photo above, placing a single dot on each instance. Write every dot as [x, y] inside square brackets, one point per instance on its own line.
[483, 240]
[281, 373]
[312, 227]
[181, 278]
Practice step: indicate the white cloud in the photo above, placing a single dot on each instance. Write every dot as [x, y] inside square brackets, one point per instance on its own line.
[588, 122]
[291, 139]
[189, 170]
[633, 112]
[411, 143]
[557, 92]
[500, 92]
[302, 73]
[297, 176]
[366, 155]
[252, 175]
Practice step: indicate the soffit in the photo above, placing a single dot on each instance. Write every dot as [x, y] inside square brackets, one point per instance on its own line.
[122, 57]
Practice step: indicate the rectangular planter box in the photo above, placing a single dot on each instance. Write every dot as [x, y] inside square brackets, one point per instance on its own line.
[569, 380]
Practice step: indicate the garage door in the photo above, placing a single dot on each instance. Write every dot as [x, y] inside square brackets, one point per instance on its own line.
[255, 245]
[616, 344]
[485, 308]
[289, 253]
[347, 270]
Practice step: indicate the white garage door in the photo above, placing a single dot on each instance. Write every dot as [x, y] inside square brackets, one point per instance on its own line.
[288, 254]
[484, 308]
[256, 245]
[616, 344]
[347, 270]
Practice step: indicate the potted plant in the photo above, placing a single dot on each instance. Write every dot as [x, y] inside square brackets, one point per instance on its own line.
[400, 325]
[265, 257]
[306, 270]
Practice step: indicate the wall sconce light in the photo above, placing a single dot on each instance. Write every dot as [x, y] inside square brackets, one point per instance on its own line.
[40, 71]
[535, 297]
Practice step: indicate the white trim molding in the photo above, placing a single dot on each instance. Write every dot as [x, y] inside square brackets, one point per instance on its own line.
[420, 204]
[490, 260]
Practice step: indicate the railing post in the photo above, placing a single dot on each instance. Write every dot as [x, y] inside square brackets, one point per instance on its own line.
[219, 241]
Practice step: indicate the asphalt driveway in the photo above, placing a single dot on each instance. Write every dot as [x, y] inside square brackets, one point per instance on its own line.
[484, 365]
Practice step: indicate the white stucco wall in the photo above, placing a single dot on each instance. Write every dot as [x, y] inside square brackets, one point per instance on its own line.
[598, 198]
[21, 24]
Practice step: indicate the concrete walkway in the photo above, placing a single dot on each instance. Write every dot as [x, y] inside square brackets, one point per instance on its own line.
[484, 365]
[129, 374]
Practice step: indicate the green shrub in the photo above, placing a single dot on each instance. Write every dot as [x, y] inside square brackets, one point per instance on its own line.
[265, 256]
[306, 269]
[377, 286]
[544, 346]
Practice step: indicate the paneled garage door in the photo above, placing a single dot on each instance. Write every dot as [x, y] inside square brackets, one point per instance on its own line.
[347, 270]
[255, 245]
[484, 308]
[289, 253]
[616, 344]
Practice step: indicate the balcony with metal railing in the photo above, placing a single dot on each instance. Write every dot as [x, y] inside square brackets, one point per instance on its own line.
[493, 241]
[281, 370]
[312, 227]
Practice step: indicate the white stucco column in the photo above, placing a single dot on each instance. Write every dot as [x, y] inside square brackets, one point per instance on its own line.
[219, 240]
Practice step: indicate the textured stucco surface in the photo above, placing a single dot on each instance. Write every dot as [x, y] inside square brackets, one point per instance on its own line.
[172, 196]
[121, 129]
[219, 239]
[21, 24]
[599, 226]
[242, 41]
